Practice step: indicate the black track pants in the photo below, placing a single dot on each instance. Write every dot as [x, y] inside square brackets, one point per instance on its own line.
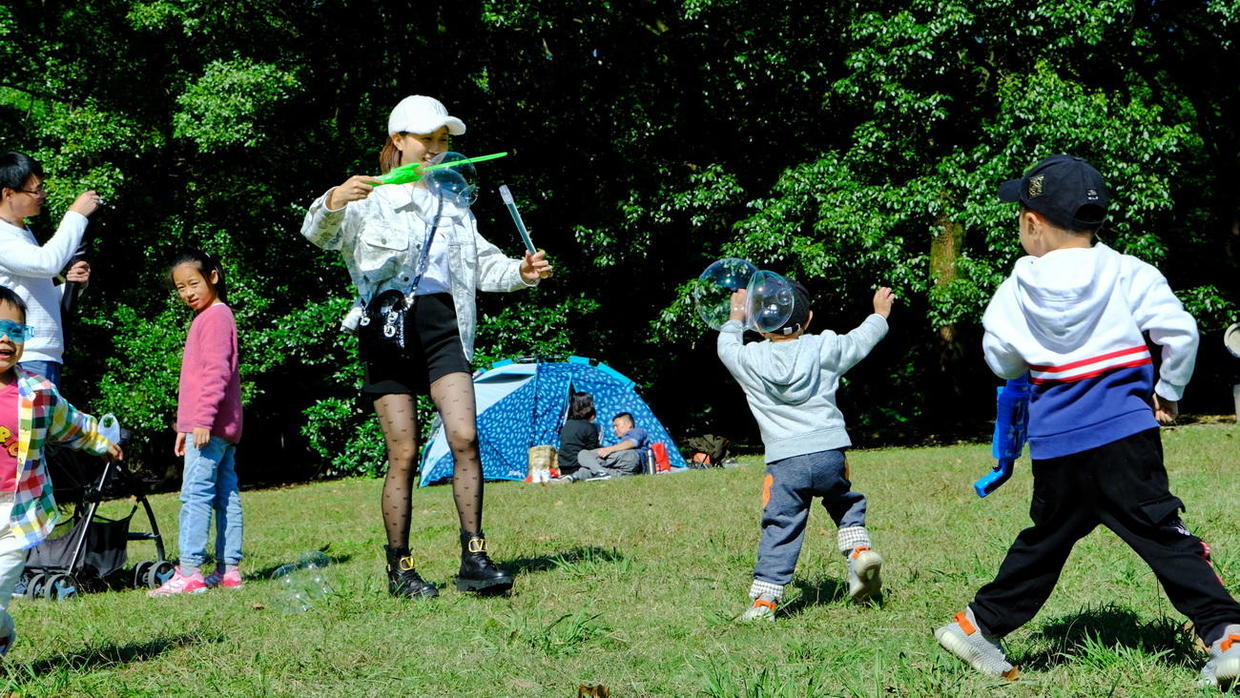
[1123, 486]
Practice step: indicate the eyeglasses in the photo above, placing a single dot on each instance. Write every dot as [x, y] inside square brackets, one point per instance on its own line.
[40, 190]
[15, 331]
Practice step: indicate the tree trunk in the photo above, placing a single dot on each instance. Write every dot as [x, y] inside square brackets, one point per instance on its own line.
[944, 250]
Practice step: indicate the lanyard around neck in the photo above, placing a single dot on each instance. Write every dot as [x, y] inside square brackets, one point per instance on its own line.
[425, 259]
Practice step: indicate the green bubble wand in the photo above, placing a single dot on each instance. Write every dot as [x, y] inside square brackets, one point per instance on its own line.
[506, 195]
[414, 170]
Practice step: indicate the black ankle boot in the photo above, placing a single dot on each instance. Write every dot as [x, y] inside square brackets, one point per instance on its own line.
[478, 573]
[403, 580]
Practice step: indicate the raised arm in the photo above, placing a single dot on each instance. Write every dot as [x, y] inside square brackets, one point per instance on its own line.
[323, 225]
[731, 337]
[842, 352]
[24, 258]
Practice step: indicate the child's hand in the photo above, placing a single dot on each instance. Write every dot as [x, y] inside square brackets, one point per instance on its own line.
[178, 449]
[1165, 411]
[883, 300]
[737, 310]
[202, 435]
[114, 453]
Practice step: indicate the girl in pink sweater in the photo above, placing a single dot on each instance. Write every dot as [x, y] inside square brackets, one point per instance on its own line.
[208, 429]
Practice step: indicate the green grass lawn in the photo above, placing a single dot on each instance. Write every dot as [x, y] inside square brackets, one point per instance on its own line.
[635, 584]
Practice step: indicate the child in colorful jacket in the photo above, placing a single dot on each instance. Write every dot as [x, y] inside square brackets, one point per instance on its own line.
[32, 413]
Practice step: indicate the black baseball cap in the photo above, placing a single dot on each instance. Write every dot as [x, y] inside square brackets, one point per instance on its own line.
[1065, 189]
[800, 308]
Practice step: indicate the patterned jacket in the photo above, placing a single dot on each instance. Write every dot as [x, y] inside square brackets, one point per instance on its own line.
[44, 416]
[381, 240]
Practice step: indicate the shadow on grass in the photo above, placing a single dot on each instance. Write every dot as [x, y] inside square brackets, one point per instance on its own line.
[1065, 639]
[104, 656]
[266, 572]
[822, 591]
[566, 558]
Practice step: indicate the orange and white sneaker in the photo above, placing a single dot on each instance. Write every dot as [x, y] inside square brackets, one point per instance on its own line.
[766, 597]
[762, 609]
[1223, 669]
[963, 639]
[864, 574]
[180, 584]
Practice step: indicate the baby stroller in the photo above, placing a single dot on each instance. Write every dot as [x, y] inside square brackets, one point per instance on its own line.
[87, 550]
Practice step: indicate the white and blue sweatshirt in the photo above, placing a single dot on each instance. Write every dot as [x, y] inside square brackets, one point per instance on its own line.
[1074, 319]
[791, 385]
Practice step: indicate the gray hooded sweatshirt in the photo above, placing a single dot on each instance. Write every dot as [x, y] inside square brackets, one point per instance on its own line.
[791, 385]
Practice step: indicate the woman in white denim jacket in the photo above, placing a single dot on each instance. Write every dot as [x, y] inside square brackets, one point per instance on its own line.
[381, 230]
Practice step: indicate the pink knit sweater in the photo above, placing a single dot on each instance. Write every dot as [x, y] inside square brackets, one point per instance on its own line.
[210, 390]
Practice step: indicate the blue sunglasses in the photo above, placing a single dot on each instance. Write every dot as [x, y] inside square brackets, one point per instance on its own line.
[15, 331]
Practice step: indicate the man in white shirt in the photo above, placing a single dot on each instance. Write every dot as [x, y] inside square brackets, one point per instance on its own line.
[30, 268]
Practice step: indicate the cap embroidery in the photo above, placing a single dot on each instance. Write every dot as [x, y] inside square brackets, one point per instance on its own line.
[1035, 186]
[1092, 194]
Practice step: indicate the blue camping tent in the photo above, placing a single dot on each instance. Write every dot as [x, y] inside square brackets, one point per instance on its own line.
[523, 403]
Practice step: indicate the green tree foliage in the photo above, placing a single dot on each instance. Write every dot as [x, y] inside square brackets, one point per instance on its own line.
[848, 145]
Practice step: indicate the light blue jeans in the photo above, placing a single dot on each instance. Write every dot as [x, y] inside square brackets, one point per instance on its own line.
[208, 484]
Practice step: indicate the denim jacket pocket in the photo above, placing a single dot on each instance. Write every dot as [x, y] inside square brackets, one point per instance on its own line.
[381, 248]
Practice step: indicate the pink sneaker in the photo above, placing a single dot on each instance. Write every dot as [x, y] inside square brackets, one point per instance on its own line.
[230, 579]
[180, 584]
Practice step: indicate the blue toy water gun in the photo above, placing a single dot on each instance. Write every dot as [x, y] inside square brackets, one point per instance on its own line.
[1011, 431]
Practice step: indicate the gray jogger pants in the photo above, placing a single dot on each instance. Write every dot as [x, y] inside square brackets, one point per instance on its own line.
[787, 492]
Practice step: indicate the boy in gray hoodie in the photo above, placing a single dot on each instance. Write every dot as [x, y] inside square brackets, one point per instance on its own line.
[790, 381]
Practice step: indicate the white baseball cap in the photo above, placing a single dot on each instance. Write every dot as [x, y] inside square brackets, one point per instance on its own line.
[421, 114]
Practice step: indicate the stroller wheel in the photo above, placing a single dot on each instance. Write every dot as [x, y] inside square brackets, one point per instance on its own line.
[60, 587]
[34, 588]
[139, 573]
[159, 573]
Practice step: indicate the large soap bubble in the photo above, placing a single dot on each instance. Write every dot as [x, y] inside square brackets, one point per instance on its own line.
[456, 183]
[769, 302]
[711, 292]
[301, 584]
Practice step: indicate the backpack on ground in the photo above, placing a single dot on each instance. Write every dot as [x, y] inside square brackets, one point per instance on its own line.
[708, 450]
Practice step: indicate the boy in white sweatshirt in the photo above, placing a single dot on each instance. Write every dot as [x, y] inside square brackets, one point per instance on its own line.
[1072, 314]
[790, 382]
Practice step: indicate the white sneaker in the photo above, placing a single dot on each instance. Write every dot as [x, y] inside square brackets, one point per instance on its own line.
[963, 639]
[762, 609]
[864, 578]
[1224, 666]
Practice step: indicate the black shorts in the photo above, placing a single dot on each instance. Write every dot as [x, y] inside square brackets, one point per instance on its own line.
[433, 351]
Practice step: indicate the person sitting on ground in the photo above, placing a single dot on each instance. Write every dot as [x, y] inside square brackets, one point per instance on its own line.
[579, 433]
[620, 460]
